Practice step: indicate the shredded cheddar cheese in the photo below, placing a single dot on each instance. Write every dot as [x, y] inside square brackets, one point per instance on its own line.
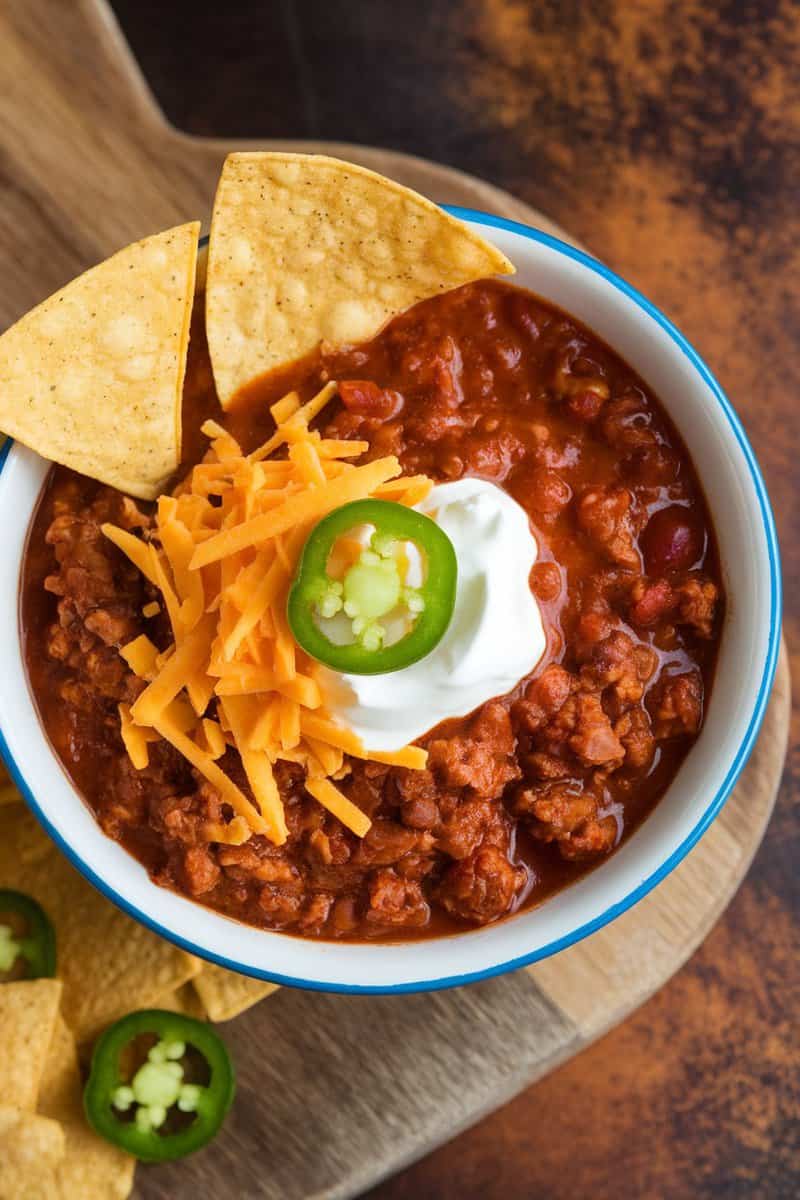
[233, 675]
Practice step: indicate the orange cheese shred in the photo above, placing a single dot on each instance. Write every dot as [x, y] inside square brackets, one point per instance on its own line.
[337, 803]
[306, 506]
[133, 547]
[213, 739]
[233, 675]
[190, 655]
[235, 833]
[204, 763]
[258, 770]
[141, 656]
[341, 448]
[285, 408]
[134, 739]
[299, 419]
[326, 730]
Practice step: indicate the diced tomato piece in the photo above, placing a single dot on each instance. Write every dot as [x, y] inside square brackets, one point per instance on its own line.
[364, 397]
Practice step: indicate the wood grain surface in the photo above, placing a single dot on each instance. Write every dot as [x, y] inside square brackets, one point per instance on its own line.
[665, 137]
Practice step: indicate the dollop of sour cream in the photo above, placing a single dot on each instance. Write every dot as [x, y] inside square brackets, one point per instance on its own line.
[496, 635]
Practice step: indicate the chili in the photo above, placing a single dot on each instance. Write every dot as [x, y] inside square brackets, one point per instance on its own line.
[529, 792]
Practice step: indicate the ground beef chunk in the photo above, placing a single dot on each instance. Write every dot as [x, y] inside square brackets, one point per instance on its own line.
[281, 908]
[547, 492]
[100, 596]
[557, 806]
[481, 887]
[594, 741]
[544, 696]
[626, 422]
[565, 814]
[592, 627]
[276, 870]
[604, 515]
[677, 705]
[92, 572]
[697, 603]
[387, 841]
[581, 727]
[365, 786]
[492, 457]
[128, 798]
[482, 759]
[395, 901]
[440, 381]
[315, 913]
[177, 817]
[692, 602]
[113, 628]
[590, 840]
[472, 824]
[200, 872]
[240, 858]
[635, 732]
[651, 600]
[539, 765]
[620, 668]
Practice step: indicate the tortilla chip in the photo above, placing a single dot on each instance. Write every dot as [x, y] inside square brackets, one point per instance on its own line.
[93, 377]
[109, 963]
[306, 248]
[30, 1149]
[225, 994]
[183, 1000]
[91, 1168]
[28, 1011]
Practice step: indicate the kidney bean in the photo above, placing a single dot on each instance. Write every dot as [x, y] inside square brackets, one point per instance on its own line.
[672, 540]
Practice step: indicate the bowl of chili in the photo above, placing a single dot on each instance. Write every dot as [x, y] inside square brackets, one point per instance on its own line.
[749, 573]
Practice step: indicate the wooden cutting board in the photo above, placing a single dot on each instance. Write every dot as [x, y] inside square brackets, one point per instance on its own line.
[335, 1092]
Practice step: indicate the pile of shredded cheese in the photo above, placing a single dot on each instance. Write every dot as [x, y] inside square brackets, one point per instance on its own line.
[224, 568]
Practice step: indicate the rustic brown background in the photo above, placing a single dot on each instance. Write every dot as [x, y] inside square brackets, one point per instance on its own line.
[664, 134]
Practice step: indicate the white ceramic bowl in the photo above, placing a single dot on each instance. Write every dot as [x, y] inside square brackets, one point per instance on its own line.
[744, 524]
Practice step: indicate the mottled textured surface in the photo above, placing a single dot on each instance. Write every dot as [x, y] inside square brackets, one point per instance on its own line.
[666, 136]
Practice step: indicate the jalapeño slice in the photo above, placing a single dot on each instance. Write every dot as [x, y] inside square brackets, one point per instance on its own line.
[372, 591]
[160, 1085]
[26, 938]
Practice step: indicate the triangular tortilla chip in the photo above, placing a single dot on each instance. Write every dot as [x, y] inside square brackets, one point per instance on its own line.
[128, 966]
[91, 1168]
[183, 1000]
[30, 1149]
[226, 994]
[28, 1011]
[93, 376]
[306, 248]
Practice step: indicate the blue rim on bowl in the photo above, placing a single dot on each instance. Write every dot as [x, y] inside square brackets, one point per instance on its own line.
[714, 806]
